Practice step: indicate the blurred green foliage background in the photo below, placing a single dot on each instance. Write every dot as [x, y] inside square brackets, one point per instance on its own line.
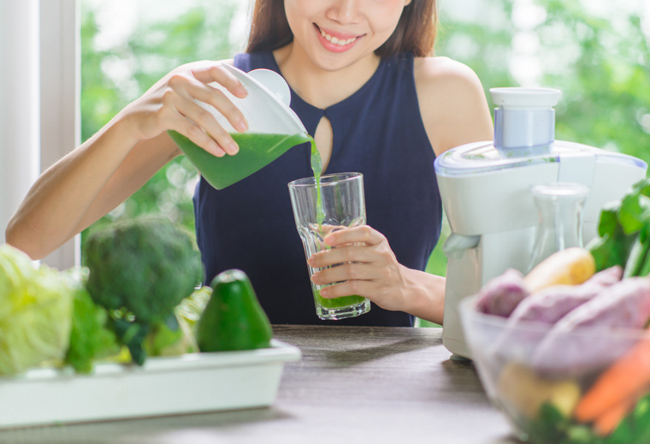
[598, 56]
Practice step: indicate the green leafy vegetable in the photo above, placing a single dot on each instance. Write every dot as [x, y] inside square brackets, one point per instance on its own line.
[35, 312]
[624, 233]
[608, 218]
[638, 253]
[635, 210]
[551, 427]
[635, 428]
[611, 249]
[170, 338]
[89, 338]
[191, 308]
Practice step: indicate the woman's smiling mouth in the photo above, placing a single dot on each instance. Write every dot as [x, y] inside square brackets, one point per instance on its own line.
[335, 41]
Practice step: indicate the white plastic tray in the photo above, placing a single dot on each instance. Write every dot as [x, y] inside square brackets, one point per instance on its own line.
[196, 382]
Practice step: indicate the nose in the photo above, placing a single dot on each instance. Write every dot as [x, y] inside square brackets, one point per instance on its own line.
[345, 11]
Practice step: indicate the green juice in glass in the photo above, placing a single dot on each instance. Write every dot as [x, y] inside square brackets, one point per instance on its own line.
[343, 301]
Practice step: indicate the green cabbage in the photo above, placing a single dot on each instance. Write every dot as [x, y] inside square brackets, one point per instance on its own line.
[191, 308]
[35, 312]
[176, 336]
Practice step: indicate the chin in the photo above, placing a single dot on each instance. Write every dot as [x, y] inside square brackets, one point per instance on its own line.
[332, 62]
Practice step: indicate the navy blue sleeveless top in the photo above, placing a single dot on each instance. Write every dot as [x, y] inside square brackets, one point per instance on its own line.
[377, 131]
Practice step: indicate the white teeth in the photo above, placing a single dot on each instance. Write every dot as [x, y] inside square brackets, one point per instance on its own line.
[335, 40]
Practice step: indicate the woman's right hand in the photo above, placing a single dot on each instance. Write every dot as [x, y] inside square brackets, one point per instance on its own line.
[170, 105]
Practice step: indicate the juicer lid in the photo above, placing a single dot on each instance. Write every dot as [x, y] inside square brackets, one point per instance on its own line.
[483, 157]
[266, 107]
[528, 98]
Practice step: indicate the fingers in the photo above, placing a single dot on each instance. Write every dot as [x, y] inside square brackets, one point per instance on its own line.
[197, 135]
[348, 288]
[205, 121]
[385, 296]
[358, 244]
[343, 254]
[216, 98]
[360, 263]
[198, 124]
[361, 234]
[216, 73]
[203, 92]
[191, 121]
[346, 272]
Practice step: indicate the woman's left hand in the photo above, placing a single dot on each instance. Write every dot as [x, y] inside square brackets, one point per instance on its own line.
[365, 266]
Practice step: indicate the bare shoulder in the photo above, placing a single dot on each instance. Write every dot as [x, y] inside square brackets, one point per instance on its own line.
[452, 103]
[443, 69]
[447, 81]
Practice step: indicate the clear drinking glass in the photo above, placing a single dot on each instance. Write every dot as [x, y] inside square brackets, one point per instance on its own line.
[343, 206]
[560, 218]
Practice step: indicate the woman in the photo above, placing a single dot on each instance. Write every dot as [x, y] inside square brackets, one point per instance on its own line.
[364, 87]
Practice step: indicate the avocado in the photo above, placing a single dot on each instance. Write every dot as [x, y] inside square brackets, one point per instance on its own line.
[233, 319]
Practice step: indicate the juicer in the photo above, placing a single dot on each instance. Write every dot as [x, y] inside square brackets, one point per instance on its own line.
[485, 189]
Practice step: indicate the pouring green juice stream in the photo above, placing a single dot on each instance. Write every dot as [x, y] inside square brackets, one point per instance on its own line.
[317, 168]
[256, 151]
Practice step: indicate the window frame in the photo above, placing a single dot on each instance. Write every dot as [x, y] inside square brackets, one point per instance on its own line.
[60, 91]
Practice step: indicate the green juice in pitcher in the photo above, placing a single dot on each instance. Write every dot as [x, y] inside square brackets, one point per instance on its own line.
[256, 150]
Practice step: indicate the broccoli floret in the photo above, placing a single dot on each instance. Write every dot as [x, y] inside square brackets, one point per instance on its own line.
[140, 269]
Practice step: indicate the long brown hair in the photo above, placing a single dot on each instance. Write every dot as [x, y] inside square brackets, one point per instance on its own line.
[415, 31]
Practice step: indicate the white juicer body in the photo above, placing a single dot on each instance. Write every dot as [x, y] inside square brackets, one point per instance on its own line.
[487, 199]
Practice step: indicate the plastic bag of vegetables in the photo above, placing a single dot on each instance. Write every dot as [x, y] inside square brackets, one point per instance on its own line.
[35, 312]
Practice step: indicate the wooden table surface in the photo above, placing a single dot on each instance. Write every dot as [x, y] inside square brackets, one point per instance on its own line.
[353, 385]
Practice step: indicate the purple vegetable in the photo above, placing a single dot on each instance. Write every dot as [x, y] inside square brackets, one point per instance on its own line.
[553, 303]
[590, 336]
[607, 277]
[501, 295]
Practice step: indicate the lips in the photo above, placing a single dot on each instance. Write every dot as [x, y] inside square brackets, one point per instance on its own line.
[336, 41]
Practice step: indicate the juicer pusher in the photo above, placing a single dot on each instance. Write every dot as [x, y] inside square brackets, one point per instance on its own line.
[486, 193]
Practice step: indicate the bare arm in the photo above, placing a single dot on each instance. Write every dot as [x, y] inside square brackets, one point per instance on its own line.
[83, 186]
[109, 167]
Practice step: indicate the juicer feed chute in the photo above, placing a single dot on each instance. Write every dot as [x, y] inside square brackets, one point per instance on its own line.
[524, 120]
[486, 194]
